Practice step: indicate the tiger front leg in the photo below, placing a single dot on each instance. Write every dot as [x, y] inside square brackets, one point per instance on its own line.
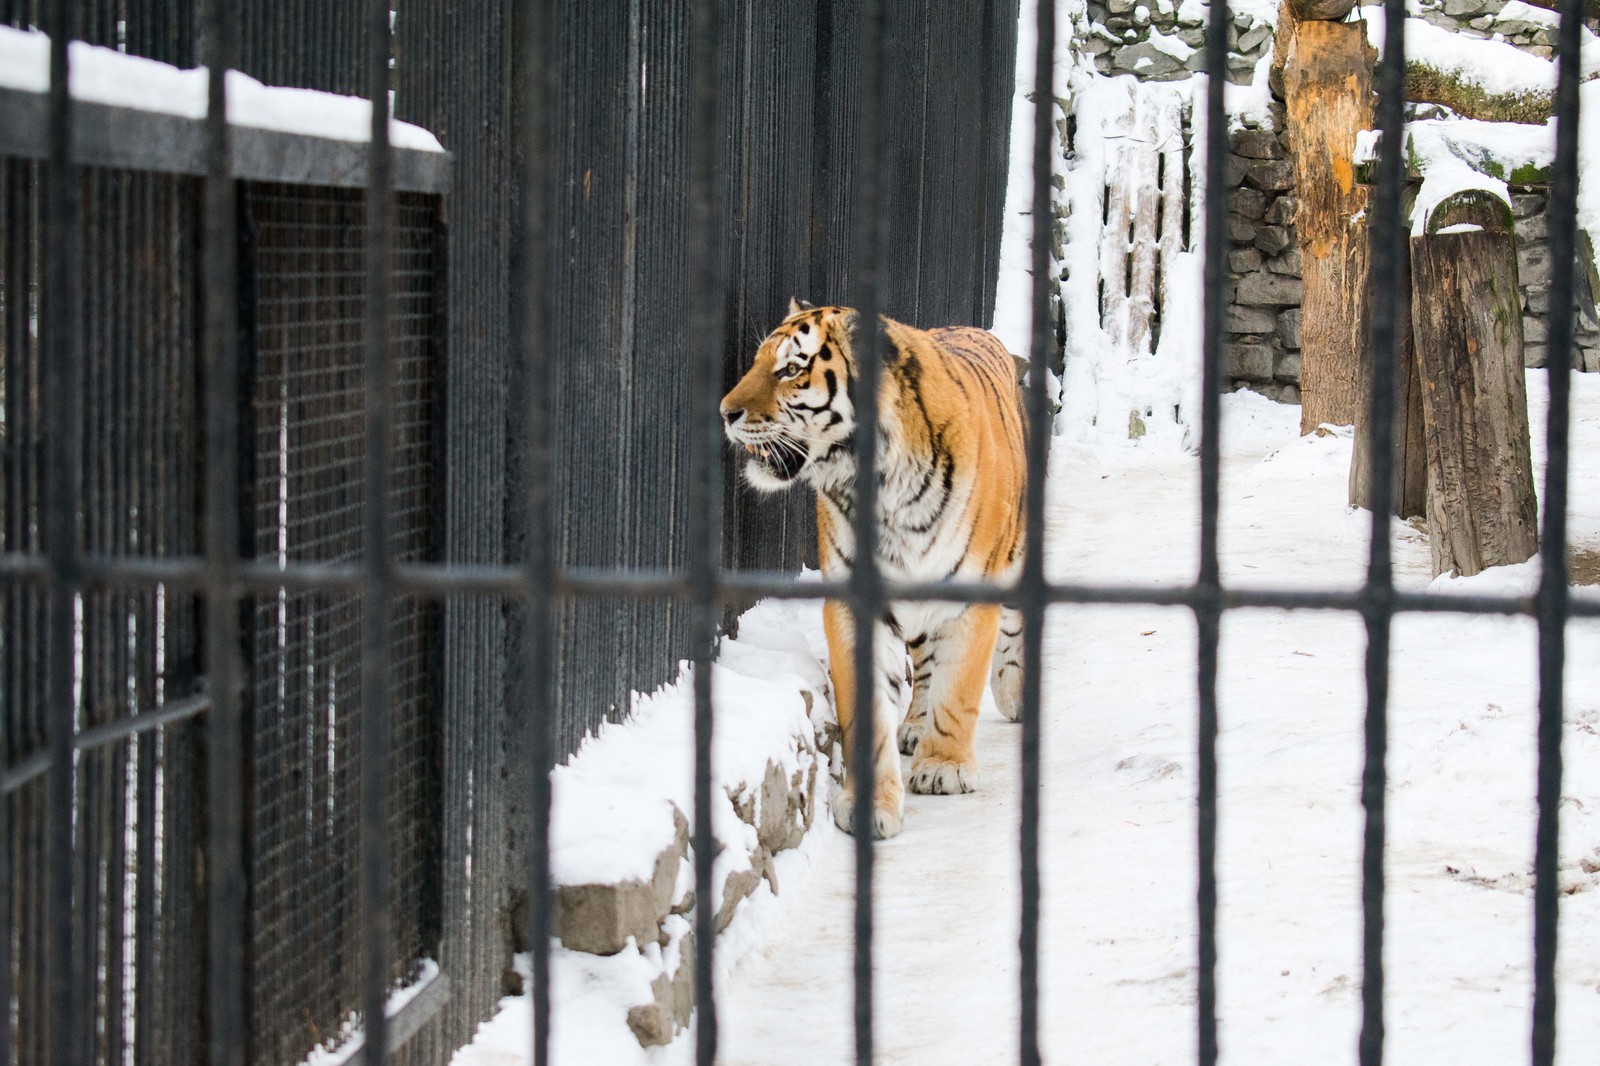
[886, 790]
[916, 720]
[956, 662]
[1005, 676]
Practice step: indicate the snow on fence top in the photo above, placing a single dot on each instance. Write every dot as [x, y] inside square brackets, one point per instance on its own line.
[105, 76]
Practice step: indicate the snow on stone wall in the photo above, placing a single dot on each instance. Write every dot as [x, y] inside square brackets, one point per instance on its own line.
[621, 851]
[1162, 42]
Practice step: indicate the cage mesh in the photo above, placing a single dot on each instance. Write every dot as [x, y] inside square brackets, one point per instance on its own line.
[137, 824]
[307, 434]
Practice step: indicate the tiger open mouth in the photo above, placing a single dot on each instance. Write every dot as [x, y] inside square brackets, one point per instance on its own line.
[782, 461]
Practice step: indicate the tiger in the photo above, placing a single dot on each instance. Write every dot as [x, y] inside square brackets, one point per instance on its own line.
[952, 481]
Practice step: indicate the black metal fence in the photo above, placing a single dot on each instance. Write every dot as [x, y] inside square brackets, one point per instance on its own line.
[331, 516]
[280, 666]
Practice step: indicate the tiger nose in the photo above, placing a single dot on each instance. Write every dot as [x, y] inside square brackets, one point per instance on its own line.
[731, 415]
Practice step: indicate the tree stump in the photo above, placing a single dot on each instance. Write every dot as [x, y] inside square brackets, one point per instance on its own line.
[1327, 83]
[1321, 10]
[1467, 315]
[1410, 454]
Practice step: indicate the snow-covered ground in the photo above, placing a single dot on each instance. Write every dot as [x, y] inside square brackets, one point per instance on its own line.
[1119, 789]
[1119, 926]
[1119, 825]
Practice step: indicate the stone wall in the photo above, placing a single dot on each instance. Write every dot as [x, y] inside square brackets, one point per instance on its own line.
[1263, 303]
[1533, 275]
[1161, 42]
[1529, 28]
[654, 918]
[650, 918]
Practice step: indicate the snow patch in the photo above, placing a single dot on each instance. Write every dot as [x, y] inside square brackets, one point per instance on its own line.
[1495, 67]
[1172, 45]
[612, 800]
[612, 815]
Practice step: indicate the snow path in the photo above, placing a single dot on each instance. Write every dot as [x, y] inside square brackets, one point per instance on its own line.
[1118, 856]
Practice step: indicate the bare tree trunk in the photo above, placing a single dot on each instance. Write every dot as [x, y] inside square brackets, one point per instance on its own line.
[1327, 81]
[1410, 456]
[1468, 320]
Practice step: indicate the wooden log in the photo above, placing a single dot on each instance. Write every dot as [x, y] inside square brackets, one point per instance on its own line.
[1467, 319]
[1327, 79]
[1142, 174]
[1321, 10]
[1120, 199]
[1174, 191]
[1410, 455]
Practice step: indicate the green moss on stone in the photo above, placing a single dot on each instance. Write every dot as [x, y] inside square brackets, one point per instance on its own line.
[1429, 84]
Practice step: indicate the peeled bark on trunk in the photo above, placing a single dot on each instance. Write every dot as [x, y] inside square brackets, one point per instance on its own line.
[1327, 80]
[1467, 316]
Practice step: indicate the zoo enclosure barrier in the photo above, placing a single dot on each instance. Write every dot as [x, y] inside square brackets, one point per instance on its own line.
[67, 813]
[265, 753]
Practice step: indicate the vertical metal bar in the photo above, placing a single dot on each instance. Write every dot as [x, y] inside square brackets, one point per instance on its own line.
[377, 593]
[1551, 605]
[704, 518]
[533, 97]
[1388, 252]
[866, 584]
[7, 874]
[987, 16]
[1032, 590]
[223, 654]
[61, 352]
[1208, 585]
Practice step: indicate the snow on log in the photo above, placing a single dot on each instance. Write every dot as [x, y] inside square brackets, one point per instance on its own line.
[1463, 158]
[1467, 317]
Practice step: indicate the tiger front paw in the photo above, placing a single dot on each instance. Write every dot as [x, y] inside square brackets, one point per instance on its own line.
[910, 734]
[933, 776]
[886, 819]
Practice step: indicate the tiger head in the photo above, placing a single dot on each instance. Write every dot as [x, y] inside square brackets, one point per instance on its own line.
[791, 411]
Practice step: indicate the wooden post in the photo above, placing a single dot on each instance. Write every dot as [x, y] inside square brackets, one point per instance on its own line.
[1327, 83]
[1467, 316]
[1410, 457]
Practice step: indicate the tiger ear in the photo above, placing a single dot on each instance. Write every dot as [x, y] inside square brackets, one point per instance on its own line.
[796, 306]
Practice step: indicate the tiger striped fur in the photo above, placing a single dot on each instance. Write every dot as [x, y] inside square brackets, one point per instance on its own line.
[952, 478]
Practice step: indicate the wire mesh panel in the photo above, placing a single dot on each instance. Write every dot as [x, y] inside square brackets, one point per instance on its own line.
[466, 105]
[135, 660]
[307, 455]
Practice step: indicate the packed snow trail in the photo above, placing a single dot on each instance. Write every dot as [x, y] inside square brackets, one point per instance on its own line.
[1119, 854]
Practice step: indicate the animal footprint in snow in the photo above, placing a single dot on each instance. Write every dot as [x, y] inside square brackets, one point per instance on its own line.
[1150, 767]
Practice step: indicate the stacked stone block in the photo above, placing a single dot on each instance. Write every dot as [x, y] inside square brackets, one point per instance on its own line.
[1264, 266]
[1154, 40]
[1533, 275]
[1533, 31]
